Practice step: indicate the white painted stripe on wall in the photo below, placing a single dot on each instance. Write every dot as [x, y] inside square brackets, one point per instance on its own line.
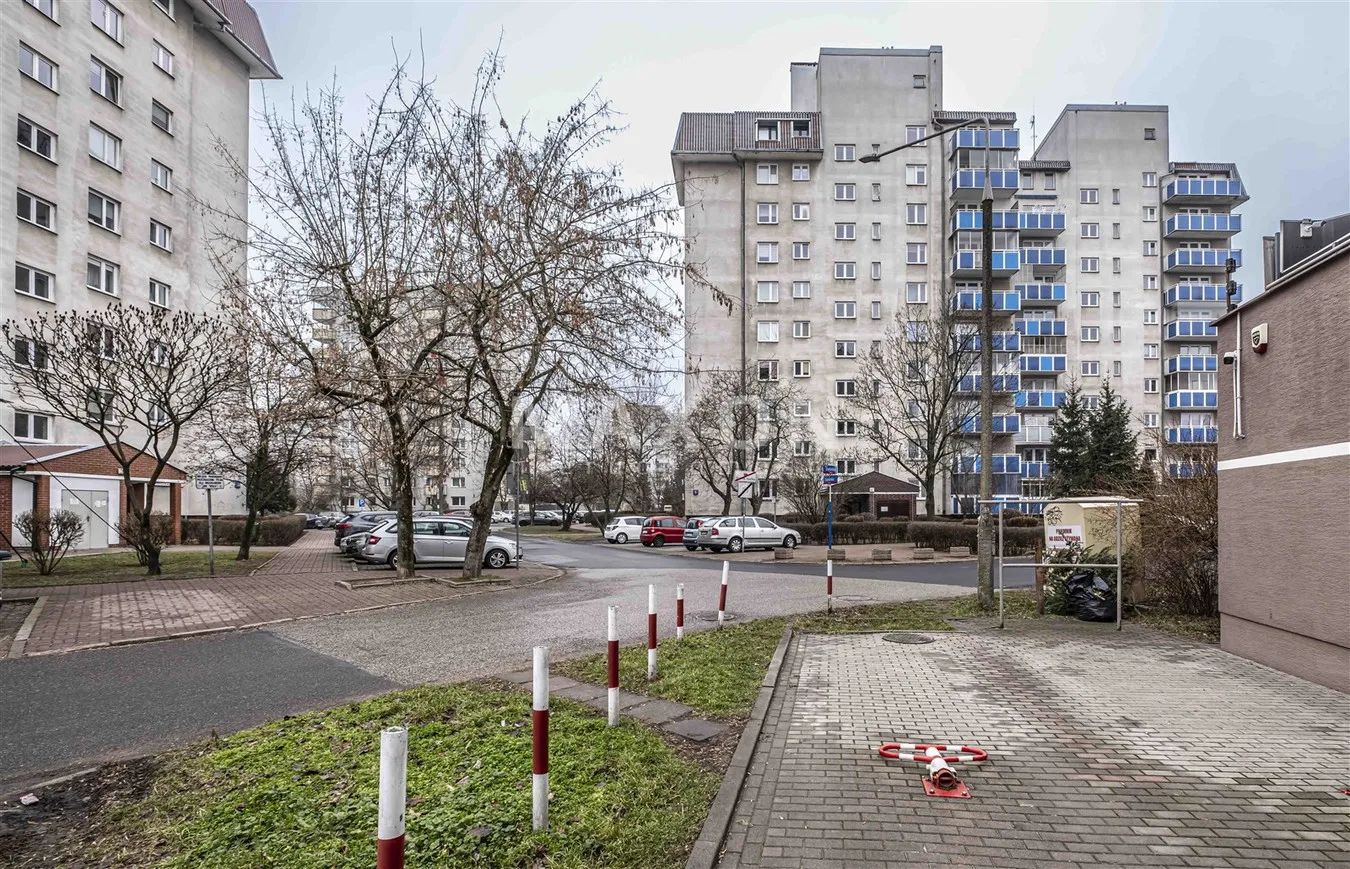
[1307, 454]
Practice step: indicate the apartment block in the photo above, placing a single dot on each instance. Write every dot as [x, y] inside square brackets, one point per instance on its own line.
[1109, 258]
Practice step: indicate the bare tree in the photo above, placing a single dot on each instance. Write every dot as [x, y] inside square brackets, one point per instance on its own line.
[709, 433]
[50, 535]
[799, 485]
[646, 426]
[769, 425]
[136, 378]
[765, 421]
[910, 407]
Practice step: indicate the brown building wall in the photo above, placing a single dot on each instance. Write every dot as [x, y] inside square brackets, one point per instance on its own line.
[1284, 527]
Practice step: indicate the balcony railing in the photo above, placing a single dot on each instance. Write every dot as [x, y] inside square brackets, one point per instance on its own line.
[968, 219]
[1010, 463]
[973, 300]
[1193, 434]
[1185, 399]
[1004, 342]
[1035, 470]
[1193, 292]
[1186, 469]
[1034, 434]
[1043, 256]
[969, 183]
[1202, 190]
[1004, 424]
[1201, 225]
[1180, 364]
[1002, 383]
[1040, 223]
[1045, 294]
[1181, 330]
[1042, 363]
[1208, 258]
[1039, 398]
[970, 263]
[1041, 328]
[970, 137]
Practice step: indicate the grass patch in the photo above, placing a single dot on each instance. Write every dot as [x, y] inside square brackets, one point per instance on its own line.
[303, 791]
[1201, 629]
[553, 532]
[122, 566]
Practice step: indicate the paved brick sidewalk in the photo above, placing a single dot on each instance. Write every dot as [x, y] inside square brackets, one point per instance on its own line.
[1130, 749]
[298, 583]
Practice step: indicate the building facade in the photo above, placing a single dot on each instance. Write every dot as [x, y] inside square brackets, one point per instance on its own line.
[1109, 258]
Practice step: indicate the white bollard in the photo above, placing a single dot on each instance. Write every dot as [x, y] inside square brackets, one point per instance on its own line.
[651, 632]
[829, 585]
[679, 613]
[722, 596]
[540, 733]
[393, 797]
[613, 666]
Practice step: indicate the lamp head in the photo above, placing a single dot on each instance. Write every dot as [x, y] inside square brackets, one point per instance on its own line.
[869, 158]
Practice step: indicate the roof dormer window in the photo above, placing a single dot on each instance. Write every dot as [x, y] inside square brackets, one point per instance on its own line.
[766, 131]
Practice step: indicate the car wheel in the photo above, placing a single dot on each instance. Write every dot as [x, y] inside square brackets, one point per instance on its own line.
[621, 538]
[659, 541]
[645, 542]
[497, 559]
[790, 542]
[692, 548]
[736, 544]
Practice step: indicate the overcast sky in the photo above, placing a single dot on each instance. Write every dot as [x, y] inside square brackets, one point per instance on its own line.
[1265, 86]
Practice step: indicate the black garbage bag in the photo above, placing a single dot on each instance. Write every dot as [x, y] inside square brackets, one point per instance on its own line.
[1090, 596]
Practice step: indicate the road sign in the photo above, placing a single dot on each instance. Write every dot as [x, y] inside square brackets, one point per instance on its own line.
[745, 484]
[828, 479]
[210, 482]
[361, 503]
[830, 469]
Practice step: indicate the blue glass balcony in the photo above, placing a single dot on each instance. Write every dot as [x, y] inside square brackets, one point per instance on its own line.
[1040, 223]
[1004, 342]
[1190, 292]
[970, 263]
[1203, 225]
[1044, 398]
[972, 137]
[1186, 469]
[1185, 399]
[1201, 259]
[1002, 383]
[1045, 294]
[1034, 434]
[1179, 364]
[1004, 424]
[967, 219]
[973, 300]
[1042, 363]
[1035, 470]
[1042, 328]
[1043, 256]
[968, 184]
[1187, 330]
[1010, 463]
[1204, 191]
[1193, 434]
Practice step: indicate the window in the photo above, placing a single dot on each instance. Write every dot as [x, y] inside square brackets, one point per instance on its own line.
[801, 368]
[1150, 385]
[1150, 248]
[1090, 299]
[1090, 369]
[916, 293]
[105, 147]
[876, 310]
[916, 331]
[37, 67]
[845, 310]
[876, 191]
[845, 271]
[846, 388]
[39, 140]
[1150, 351]
[1150, 133]
[914, 134]
[1150, 179]
[102, 275]
[36, 211]
[766, 173]
[457, 482]
[1092, 402]
[1115, 368]
[1087, 195]
[847, 466]
[161, 176]
[801, 211]
[1150, 420]
[162, 117]
[1089, 230]
[106, 17]
[1115, 195]
[104, 81]
[846, 428]
[916, 213]
[162, 57]
[160, 235]
[801, 408]
[921, 81]
[32, 426]
[801, 250]
[801, 328]
[1115, 230]
[768, 331]
[768, 370]
[165, 6]
[801, 289]
[102, 340]
[845, 231]
[876, 271]
[46, 7]
[876, 232]
[1115, 300]
[159, 293]
[802, 448]
[916, 174]
[845, 192]
[767, 291]
[767, 212]
[766, 131]
[30, 354]
[104, 211]
[1115, 334]
[800, 171]
[844, 153]
[29, 281]
[1150, 282]
[1151, 317]
[766, 252]
[159, 354]
[801, 129]
[1028, 181]
[1089, 265]
[916, 253]
[1150, 214]
[1115, 265]
[1049, 180]
[1091, 333]
[845, 349]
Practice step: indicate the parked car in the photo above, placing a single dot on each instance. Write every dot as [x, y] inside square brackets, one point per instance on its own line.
[690, 536]
[547, 517]
[736, 533]
[360, 523]
[660, 530]
[500, 516]
[436, 540]
[621, 529]
[314, 520]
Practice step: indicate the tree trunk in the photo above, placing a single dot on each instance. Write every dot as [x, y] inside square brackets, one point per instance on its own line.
[246, 542]
[930, 502]
[401, 486]
[726, 503]
[500, 454]
[152, 566]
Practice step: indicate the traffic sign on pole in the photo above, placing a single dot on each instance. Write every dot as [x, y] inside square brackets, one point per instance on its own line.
[209, 482]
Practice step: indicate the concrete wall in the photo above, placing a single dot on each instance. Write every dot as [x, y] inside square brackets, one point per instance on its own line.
[1284, 525]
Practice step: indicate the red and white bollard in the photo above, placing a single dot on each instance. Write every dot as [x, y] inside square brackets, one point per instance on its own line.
[651, 632]
[679, 613]
[393, 797]
[829, 586]
[613, 668]
[539, 722]
[722, 596]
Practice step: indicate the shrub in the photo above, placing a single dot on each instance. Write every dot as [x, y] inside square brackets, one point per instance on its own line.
[853, 533]
[229, 531]
[145, 541]
[944, 535]
[50, 535]
[859, 517]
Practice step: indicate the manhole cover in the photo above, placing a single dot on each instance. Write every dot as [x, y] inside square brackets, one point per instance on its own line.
[853, 598]
[711, 616]
[912, 639]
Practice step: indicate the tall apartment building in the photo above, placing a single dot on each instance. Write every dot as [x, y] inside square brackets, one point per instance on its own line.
[119, 110]
[1105, 254]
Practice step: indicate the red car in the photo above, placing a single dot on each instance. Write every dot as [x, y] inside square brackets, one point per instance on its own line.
[660, 530]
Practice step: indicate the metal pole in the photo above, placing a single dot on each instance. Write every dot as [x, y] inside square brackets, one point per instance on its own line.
[829, 519]
[1120, 564]
[517, 475]
[210, 537]
[986, 377]
[1000, 568]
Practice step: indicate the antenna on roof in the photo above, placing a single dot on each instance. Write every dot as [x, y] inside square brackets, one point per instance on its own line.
[1033, 129]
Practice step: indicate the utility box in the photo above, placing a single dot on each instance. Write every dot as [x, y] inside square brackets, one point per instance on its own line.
[1091, 523]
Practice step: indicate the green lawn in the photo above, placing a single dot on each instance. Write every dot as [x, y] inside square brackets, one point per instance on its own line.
[303, 792]
[553, 532]
[119, 566]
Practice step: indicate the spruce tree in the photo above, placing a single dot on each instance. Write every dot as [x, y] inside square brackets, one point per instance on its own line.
[1071, 446]
[1113, 456]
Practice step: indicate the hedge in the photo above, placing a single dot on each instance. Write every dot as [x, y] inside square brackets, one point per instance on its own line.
[944, 535]
[853, 533]
[270, 530]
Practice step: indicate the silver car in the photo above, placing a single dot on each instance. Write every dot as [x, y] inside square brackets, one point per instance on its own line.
[736, 533]
[436, 540]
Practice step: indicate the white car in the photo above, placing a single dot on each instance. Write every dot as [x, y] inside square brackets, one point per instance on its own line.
[737, 533]
[622, 529]
[500, 517]
[436, 540]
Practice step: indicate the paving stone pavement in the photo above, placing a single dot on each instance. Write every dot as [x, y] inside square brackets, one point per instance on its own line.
[1130, 749]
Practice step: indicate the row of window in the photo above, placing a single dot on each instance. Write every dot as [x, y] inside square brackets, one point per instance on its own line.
[104, 15]
[767, 292]
[766, 253]
[1093, 230]
[916, 175]
[766, 214]
[103, 146]
[1086, 195]
[101, 276]
[103, 80]
[104, 212]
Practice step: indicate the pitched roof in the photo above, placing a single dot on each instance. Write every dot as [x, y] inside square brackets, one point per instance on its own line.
[883, 483]
[241, 32]
[994, 117]
[704, 133]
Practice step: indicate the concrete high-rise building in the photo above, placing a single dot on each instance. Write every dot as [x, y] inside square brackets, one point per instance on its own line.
[1109, 258]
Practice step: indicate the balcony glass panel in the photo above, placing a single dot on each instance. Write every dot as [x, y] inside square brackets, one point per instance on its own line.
[1040, 222]
[1193, 435]
[1201, 224]
[1035, 434]
[973, 300]
[1043, 256]
[1179, 329]
[1046, 293]
[1176, 364]
[1048, 363]
[1036, 470]
[1002, 383]
[1202, 258]
[1042, 328]
[972, 180]
[1192, 292]
[1185, 399]
[1010, 463]
[1005, 262]
[972, 137]
[1203, 188]
[1045, 398]
[1004, 424]
[971, 219]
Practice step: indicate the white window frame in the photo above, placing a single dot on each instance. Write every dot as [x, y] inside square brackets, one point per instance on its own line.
[768, 131]
[1090, 368]
[34, 130]
[801, 328]
[156, 104]
[167, 235]
[1116, 368]
[1150, 247]
[1150, 282]
[31, 282]
[916, 292]
[1150, 316]
[801, 368]
[845, 153]
[1115, 299]
[106, 139]
[165, 6]
[1150, 386]
[876, 271]
[766, 213]
[801, 289]
[801, 250]
[845, 231]
[876, 231]
[162, 58]
[1089, 299]
[108, 79]
[1117, 334]
[846, 387]
[1049, 180]
[1115, 265]
[1150, 420]
[766, 370]
[766, 173]
[28, 426]
[1089, 265]
[876, 310]
[1150, 351]
[31, 218]
[766, 331]
[1089, 196]
[916, 214]
[916, 175]
[1028, 181]
[1115, 195]
[766, 292]
[845, 271]
[801, 211]
[846, 310]
[109, 272]
[846, 428]
[1150, 214]
[914, 134]
[156, 169]
[40, 63]
[1150, 179]
[766, 252]
[159, 293]
[46, 7]
[916, 253]
[920, 80]
[792, 128]
[107, 18]
[1090, 334]
[801, 171]
[802, 408]
[1115, 230]
[876, 191]
[802, 449]
[1089, 230]
[846, 349]
[845, 191]
[107, 206]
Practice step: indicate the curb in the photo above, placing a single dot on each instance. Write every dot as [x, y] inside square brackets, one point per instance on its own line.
[26, 629]
[707, 847]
